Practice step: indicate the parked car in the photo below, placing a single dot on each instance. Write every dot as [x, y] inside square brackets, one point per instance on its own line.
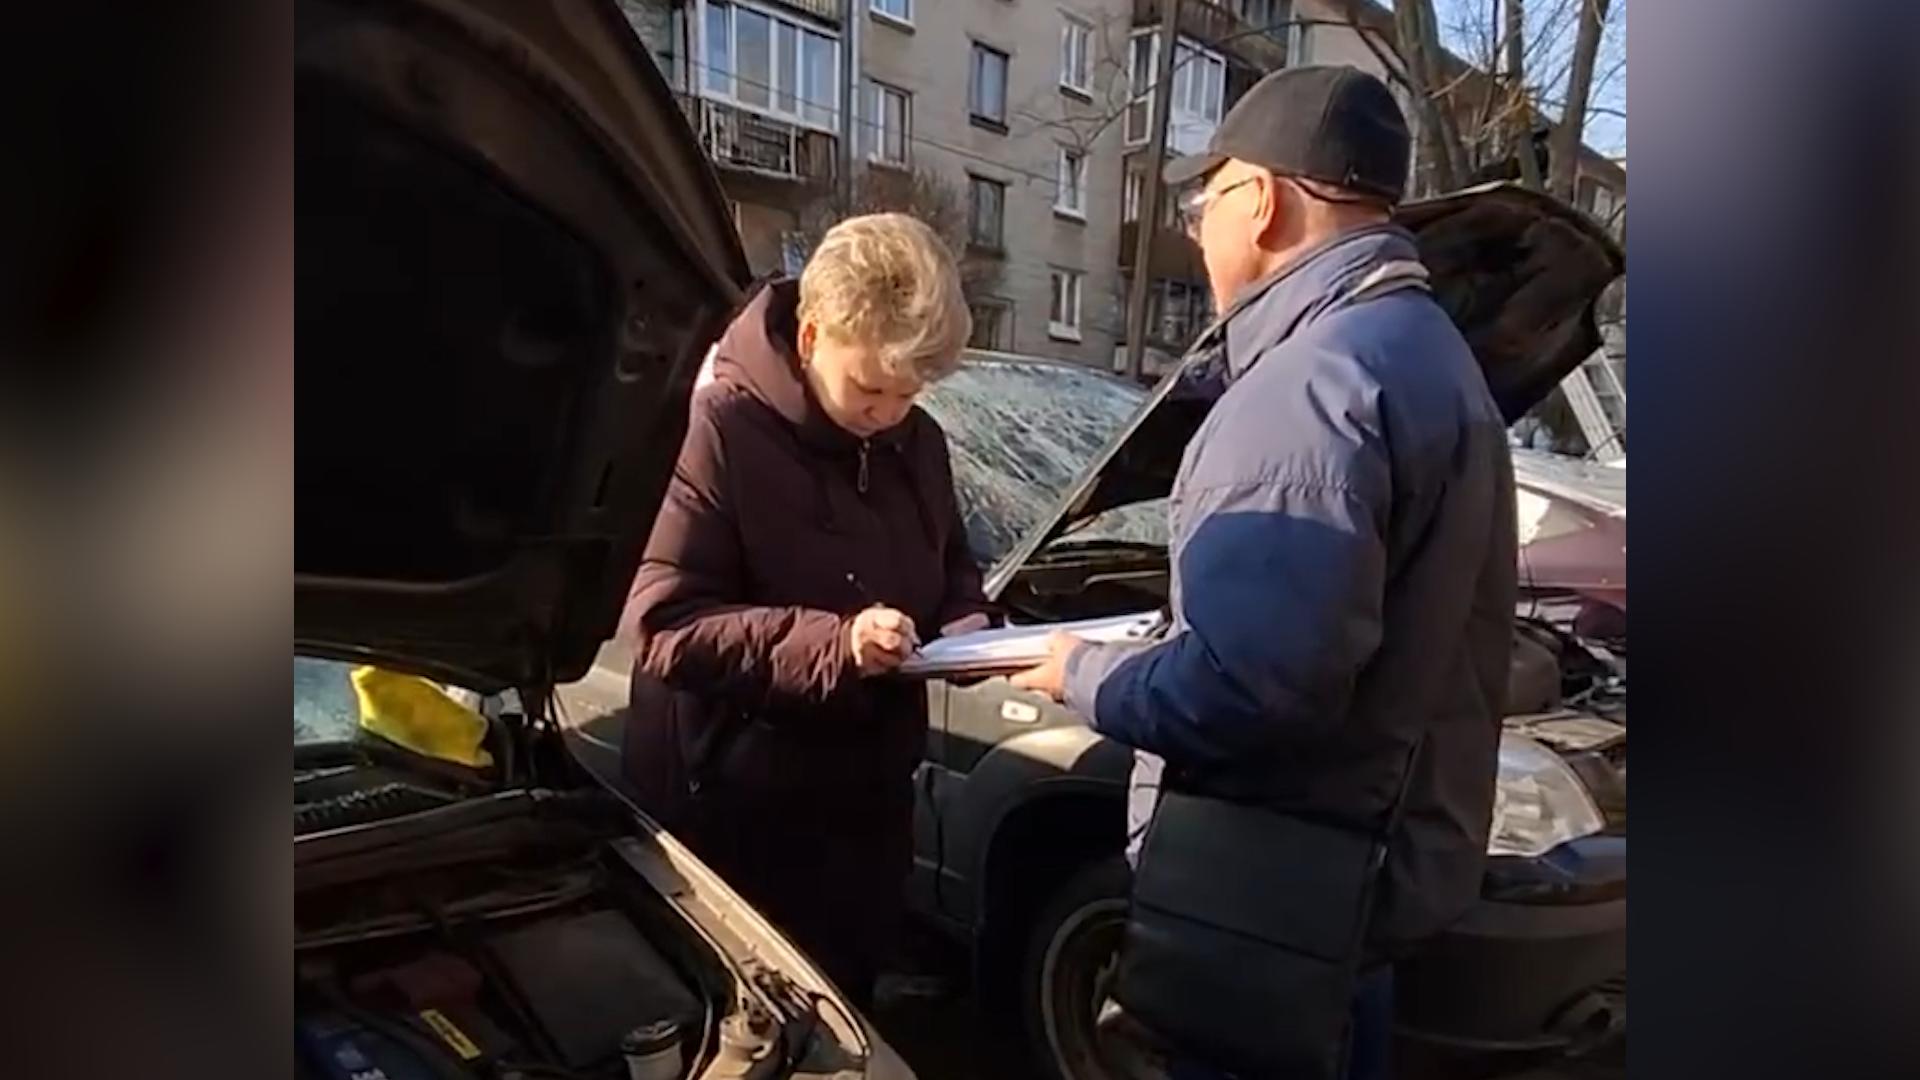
[1573, 535]
[1062, 472]
[512, 256]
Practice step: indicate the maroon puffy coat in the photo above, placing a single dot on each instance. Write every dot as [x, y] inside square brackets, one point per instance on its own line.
[751, 734]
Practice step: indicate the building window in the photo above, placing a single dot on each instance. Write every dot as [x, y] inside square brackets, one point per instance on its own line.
[1070, 193]
[677, 34]
[1272, 16]
[1198, 84]
[1063, 305]
[793, 253]
[987, 88]
[986, 213]
[820, 80]
[1140, 50]
[752, 58]
[1076, 55]
[992, 324]
[1176, 311]
[900, 11]
[770, 64]
[719, 35]
[1183, 311]
[786, 42]
[1135, 193]
[1170, 198]
[1605, 203]
[890, 125]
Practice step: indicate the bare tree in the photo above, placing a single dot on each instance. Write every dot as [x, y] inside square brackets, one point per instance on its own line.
[1479, 117]
[1080, 122]
[1573, 118]
[1485, 115]
[1521, 126]
[1418, 34]
[925, 195]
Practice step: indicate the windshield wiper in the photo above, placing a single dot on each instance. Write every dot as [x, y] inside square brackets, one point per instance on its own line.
[1143, 547]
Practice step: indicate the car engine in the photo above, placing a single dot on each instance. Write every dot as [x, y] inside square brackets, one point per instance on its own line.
[497, 936]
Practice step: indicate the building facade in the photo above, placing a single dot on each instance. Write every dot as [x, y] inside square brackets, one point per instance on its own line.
[1222, 48]
[1011, 107]
[1029, 119]
[1012, 103]
[761, 82]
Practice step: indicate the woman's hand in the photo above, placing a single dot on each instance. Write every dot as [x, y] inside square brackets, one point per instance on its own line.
[882, 639]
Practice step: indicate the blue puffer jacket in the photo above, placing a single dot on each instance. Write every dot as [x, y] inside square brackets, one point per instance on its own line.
[1343, 577]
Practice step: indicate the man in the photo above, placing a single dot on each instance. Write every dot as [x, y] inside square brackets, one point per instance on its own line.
[1342, 523]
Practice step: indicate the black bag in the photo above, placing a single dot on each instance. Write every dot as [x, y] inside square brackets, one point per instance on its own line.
[1244, 940]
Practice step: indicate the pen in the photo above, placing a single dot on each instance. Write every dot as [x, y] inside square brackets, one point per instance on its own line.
[913, 639]
[865, 593]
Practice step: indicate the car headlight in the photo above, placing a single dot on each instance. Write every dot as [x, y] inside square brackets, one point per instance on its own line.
[1539, 802]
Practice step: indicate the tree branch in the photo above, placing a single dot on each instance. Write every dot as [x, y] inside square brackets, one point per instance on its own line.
[1379, 48]
[1592, 110]
[1367, 34]
[1566, 138]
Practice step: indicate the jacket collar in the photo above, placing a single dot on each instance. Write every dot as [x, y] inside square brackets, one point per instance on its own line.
[1273, 307]
[757, 353]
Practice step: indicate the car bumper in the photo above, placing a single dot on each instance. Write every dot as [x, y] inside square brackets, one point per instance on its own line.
[1546, 972]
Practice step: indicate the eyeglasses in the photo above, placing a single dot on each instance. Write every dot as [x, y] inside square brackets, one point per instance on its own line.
[1193, 205]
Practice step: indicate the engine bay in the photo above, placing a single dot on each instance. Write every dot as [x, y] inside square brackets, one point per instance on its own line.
[556, 996]
[1559, 661]
[506, 935]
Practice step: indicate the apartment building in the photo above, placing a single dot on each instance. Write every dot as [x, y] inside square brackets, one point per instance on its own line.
[1222, 47]
[1011, 104]
[1016, 102]
[762, 83]
[1029, 110]
[1035, 114]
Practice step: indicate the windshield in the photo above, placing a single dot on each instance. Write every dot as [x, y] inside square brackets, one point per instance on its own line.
[1134, 523]
[1542, 514]
[1597, 487]
[327, 709]
[324, 706]
[1020, 432]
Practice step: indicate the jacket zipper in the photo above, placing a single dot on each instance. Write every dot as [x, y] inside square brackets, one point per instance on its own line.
[861, 481]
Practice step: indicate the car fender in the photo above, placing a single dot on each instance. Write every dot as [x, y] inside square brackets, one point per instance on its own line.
[1054, 762]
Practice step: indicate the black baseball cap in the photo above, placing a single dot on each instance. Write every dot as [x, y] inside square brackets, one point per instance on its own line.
[1338, 125]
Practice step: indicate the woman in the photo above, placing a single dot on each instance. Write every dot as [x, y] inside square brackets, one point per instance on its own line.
[809, 538]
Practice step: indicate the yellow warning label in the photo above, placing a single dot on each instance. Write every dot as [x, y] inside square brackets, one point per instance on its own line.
[450, 1034]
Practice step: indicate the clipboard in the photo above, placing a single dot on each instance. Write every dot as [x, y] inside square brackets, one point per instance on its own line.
[1015, 648]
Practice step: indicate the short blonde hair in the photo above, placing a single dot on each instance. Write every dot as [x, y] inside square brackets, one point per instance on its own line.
[886, 281]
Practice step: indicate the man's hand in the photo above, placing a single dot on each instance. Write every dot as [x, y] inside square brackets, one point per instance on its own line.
[1050, 678]
[881, 639]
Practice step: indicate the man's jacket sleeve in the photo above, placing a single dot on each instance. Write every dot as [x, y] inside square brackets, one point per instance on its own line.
[1281, 581]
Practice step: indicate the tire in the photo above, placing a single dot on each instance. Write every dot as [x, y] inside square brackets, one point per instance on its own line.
[1067, 965]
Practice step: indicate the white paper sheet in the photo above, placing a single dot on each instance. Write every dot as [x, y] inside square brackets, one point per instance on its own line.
[1015, 648]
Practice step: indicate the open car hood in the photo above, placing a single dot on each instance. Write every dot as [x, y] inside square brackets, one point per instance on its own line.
[512, 254]
[1519, 271]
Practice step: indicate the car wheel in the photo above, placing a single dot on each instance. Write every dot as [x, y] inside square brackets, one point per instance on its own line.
[1071, 958]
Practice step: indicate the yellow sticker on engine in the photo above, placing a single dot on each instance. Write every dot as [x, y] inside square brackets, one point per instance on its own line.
[450, 1034]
